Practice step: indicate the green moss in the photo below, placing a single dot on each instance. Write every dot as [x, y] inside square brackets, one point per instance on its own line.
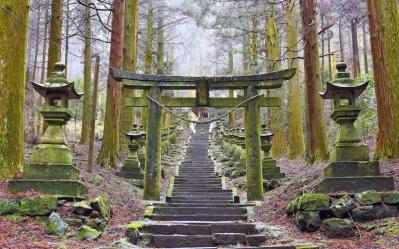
[148, 212]
[391, 197]
[102, 205]
[314, 202]
[87, 233]
[368, 197]
[14, 217]
[38, 206]
[8, 207]
[96, 180]
[292, 207]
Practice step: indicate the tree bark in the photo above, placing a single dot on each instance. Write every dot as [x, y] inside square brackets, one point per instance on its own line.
[296, 148]
[93, 116]
[341, 43]
[131, 24]
[55, 39]
[110, 145]
[355, 49]
[272, 41]
[384, 37]
[84, 135]
[316, 137]
[365, 49]
[13, 46]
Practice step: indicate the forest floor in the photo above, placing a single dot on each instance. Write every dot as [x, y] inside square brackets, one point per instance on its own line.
[128, 206]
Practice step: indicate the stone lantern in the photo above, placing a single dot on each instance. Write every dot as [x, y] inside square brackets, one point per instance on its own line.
[350, 168]
[51, 170]
[269, 165]
[131, 168]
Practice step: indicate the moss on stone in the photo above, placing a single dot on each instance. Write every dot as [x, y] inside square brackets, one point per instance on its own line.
[38, 206]
[103, 206]
[308, 221]
[8, 207]
[148, 212]
[133, 231]
[368, 198]
[339, 228]
[292, 207]
[314, 202]
[87, 233]
[391, 197]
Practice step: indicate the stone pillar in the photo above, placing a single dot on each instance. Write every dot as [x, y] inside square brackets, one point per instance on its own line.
[269, 165]
[252, 145]
[152, 173]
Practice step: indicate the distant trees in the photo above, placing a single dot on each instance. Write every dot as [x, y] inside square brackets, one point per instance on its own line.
[54, 51]
[13, 46]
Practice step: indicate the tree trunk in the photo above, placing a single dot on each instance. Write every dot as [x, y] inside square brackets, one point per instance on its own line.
[230, 71]
[66, 54]
[13, 45]
[355, 49]
[54, 51]
[93, 116]
[109, 148]
[161, 48]
[129, 64]
[84, 135]
[316, 137]
[323, 63]
[32, 101]
[39, 127]
[296, 148]
[148, 56]
[254, 49]
[341, 43]
[365, 52]
[279, 144]
[384, 37]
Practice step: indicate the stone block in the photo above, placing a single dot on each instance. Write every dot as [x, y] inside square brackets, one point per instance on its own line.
[339, 228]
[308, 221]
[355, 184]
[343, 153]
[368, 198]
[363, 213]
[314, 202]
[391, 197]
[384, 211]
[343, 169]
[229, 238]
[51, 172]
[52, 154]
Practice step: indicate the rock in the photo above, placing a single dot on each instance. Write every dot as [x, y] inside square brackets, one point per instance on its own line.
[87, 233]
[238, 173]
[138, 183]
[74, 222]
[8, 207]
[97, 224]
[56, 226]
[94, 215]
[228, 238]
[363, 213]
[343, 206]
[308, 221]
[339, 228]
[82, 208]
[96, 180]
[384, 211]
[122, 243]
[102, 205]
[368, 198]
[292, 207]
[314, 202]
[133, 231]
[15, 217]
[269, 185]
[391, 198]
[38, 206]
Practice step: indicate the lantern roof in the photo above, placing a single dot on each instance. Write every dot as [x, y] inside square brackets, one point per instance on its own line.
[343, 84]
[57, 83]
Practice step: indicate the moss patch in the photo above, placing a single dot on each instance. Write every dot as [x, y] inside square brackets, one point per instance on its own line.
[314, 202]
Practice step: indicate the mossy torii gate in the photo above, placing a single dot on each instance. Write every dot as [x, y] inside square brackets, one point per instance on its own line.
[203, 85]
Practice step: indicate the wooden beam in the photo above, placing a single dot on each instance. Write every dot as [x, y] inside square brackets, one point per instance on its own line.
[213, 102]
[260, 81]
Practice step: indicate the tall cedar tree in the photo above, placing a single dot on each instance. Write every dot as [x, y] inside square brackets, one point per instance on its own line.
[13, 44]
[55, 40]
[384, 36]
[129, 64]
[230, 71]
[148, 55]
[316, 132]
[84, 136]
[296, 148]
[109, 149]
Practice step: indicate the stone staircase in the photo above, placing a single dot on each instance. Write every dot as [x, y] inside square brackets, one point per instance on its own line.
[200, 213]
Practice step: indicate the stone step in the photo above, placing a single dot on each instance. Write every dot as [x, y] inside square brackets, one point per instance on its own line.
[205, 192]
[207, 202]
[199, 229]
[199, 210]
[199, 194]
[204, 204]
[198, 185]
[198, 217]
[208, 181]
[201, 198]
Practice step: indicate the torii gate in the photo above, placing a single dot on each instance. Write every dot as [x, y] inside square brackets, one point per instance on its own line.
[203, 85]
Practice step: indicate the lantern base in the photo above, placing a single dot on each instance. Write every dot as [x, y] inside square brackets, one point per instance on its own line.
[270, 170]
[345, 153]
[355, 184]
[56, 154]
[131, 170]
[61, 188]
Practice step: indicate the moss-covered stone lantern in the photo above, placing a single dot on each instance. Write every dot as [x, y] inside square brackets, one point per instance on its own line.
[51, 170]
[269, 165]
[350, 169]
[131, 168]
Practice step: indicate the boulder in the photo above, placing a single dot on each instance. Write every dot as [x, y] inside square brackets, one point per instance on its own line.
[82, 208]
[391, 198]
[292, 207]
[122, 243]
[339, 228]
[38, 206]
[87, 233]
[96, 180]
[384, 211]
[343, 206]
[8, 207]
[314, 202]
[133, 231]
[308, 221]
[97, 224]
[74, 222]
[102, 205]
[368, 198]
[363, 213]
[271, 184]
[56, 226]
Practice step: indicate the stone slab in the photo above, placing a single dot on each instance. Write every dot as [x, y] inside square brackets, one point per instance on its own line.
[51, 172]
[355, 184]
[343, 169]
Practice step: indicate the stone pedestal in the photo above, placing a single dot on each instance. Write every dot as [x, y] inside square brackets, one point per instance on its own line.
[51, 170]
[350, 170]
[269, 165]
